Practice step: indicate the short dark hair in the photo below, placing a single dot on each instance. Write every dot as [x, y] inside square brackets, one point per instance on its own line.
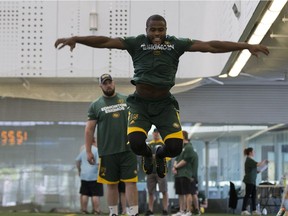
[155, 17]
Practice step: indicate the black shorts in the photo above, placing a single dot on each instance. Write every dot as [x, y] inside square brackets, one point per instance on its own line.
[91, 188]
[183, 185]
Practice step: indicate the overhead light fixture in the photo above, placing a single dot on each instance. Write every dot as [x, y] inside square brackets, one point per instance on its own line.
[278, 35]
[194, 129]
[260, 31]
[25, 83]
[264, 131]
[191, 82]
[93, 21]
[223, 75]
[284, 19]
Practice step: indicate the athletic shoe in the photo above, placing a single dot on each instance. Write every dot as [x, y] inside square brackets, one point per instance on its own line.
[245, 212]
[196, 212]
[188, 213]
[147, 163]
[149, 213]
[180, 213]
[161, 166]
[256, 213]
[165, 212]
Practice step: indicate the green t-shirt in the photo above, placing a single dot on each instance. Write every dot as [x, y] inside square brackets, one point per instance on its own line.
[195, 162]
[156, 64]
[250, 171]
[190, 156]
[111, 114]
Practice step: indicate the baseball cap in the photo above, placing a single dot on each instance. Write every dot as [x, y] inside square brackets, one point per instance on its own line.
[104, 77]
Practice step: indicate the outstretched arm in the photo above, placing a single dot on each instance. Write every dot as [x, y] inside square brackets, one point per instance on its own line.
[92, 41]
[227, 46]
[263, 162]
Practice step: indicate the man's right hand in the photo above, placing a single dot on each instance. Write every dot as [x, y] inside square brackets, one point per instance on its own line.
[90, 158]
[66, 42]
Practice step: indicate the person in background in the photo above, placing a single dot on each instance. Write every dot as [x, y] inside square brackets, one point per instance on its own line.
[203, 202]
[185, 169]
[250, 181]
[117, 161]
[89, 186]
[194, 179]
[153, 179]
[155, 59]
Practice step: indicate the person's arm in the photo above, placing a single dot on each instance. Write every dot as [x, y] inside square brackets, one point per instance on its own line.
[262, 163]
[180, 164]
[204, 204]
[227, 46]
[174, 171]
[89, 135]
[92, 41]
[78, 165]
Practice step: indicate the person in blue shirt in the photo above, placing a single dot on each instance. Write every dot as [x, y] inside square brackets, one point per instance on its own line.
[89, 186]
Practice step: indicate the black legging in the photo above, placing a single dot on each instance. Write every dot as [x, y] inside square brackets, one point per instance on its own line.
[250, 192]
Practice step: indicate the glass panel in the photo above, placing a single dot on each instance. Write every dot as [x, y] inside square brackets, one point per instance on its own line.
[37, 162]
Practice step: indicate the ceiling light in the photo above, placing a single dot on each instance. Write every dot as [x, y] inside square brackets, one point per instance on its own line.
[223, 75]
[191, 82]
[261, 30]
[93, 21]
[194, 129]
[264, 131]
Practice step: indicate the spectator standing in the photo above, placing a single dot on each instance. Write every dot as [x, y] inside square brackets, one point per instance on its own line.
[118, 163]
[250, 181]
[185, 169]
[89, 186]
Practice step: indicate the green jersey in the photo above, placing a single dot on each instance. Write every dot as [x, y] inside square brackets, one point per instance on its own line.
[194, 162]
[250, 171]
[156, 64]
[111, 114]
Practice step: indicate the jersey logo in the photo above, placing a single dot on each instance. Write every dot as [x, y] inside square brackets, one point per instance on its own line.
[120, 101]
[102, 171]
[132, 118]
[116, 115]
[176, 125]
[165, 46]
[114, 108]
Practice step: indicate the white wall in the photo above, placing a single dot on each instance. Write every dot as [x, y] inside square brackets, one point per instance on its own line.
[29, 30]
